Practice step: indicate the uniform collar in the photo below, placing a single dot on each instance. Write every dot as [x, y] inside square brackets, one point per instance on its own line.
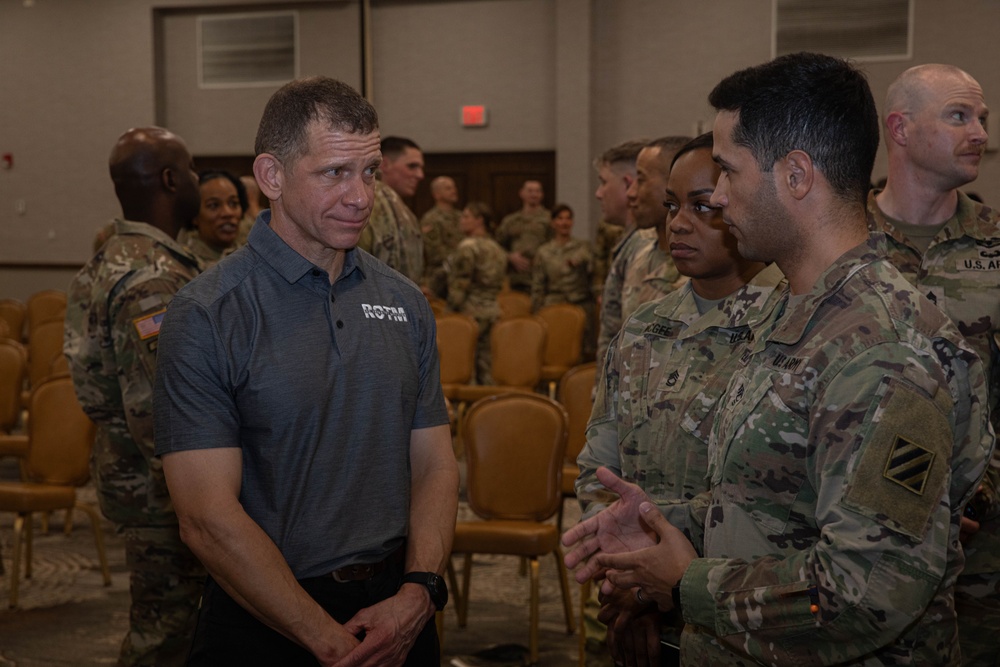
[791, 326]
[971, 219]
[125, 227]
[285, 261]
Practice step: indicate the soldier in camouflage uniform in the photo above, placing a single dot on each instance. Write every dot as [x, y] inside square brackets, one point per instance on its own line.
[643, 271]
[439, 226]
[615, 174]
[659, 390]
[475, 276]
[948, 246]
[563, 273]
[223, 201]
[851, 436]
[393, 234]
[522, 232]
[116, 304]
[606, 238]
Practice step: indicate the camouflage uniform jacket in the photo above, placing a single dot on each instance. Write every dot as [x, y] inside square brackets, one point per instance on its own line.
[606, 240]
[208, 255]
[523, 233]
[960, 273]
[392, 234]
[562, 273]
[475, 276]
[115, 306]
[843, 453]
[441, 235]
[659, 390]
[649, 275]
[611, 319]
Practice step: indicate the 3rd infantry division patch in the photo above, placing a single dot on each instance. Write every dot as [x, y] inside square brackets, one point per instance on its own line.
[909, 465]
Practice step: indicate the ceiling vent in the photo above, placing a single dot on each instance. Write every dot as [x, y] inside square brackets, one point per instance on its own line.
[244, 50]
[857, 29]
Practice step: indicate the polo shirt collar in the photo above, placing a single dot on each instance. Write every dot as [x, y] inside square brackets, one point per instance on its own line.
[285, 261]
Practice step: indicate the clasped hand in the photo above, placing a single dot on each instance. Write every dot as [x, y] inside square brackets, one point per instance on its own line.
[629, 545]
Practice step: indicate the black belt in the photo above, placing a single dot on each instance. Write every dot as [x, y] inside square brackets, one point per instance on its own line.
[365, 571]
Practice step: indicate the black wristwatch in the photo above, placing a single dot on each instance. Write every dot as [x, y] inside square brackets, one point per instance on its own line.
[435, 586]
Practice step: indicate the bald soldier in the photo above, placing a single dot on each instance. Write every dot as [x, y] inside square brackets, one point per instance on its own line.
[439, 225]
[934, 123]
[522, 232]
[116, 304]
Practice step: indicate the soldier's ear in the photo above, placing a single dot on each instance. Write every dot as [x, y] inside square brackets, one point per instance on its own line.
[796, 173]
[270, 175]
[168, 180]
[895, 127]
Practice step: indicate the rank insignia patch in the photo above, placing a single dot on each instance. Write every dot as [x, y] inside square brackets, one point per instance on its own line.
[909, 465]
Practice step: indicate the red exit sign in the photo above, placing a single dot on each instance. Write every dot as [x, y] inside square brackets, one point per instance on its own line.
[474, 116]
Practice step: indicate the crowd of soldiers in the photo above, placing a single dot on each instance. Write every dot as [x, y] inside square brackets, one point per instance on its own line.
[791, 454]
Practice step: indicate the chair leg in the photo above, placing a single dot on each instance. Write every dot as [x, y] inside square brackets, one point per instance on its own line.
[68, 522]
[28, 532]
[564, 584]
[582, 628]
[455, 593]
[16, 557]
[95, 524]
[533, 630]
[552, 389]
[523, 567]
[439, 624]
[463, 615]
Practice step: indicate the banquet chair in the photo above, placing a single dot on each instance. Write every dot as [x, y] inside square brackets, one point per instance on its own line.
[513, 304]
[517, 345]
[576, 390]
[45, 306]
[515, 445]
[456, 342]
[564, 344]
[13, 312]
[45, 346]
[13, 369]
[60, 438]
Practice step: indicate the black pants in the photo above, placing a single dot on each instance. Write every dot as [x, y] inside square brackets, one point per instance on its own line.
[228, 635]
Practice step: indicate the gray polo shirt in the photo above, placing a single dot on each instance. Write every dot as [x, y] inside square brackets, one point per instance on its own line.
[318, 384]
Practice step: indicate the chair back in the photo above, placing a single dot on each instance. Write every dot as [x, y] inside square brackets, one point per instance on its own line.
[515, 445]
[517, 346]
[60, 435]
[438, 306]
[576, 390]
[13, 367]
[513, 304]
[13, 312]
[456, 342]
[566, 323]
[45, 343]
[45, 306]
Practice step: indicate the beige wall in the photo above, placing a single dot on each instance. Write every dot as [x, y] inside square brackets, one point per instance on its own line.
[572, 76]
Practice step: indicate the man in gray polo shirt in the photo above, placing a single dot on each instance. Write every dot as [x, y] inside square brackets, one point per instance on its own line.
[300, 419]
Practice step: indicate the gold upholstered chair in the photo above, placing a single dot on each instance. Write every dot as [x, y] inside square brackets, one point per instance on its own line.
[60, 438]
[515, 444]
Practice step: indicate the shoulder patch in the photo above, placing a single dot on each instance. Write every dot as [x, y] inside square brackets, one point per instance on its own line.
[148, 326]
[909, 465]
[905, 465]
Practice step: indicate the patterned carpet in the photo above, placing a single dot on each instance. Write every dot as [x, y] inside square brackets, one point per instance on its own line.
[67, 617]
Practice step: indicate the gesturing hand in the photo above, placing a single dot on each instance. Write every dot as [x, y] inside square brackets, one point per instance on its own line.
[616, 529]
